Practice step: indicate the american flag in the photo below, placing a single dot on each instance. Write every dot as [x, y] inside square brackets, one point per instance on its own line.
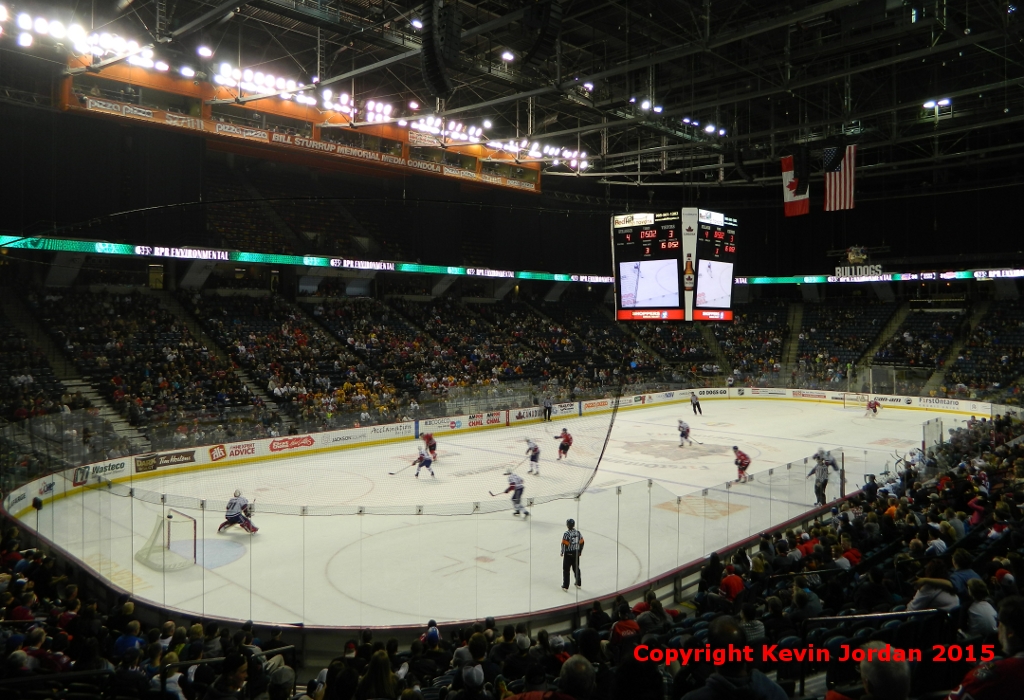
[839, 167]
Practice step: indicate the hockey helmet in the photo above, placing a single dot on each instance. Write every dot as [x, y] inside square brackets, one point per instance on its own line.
[564, 430]
[735, 448]
[570, 523]
[237, 493]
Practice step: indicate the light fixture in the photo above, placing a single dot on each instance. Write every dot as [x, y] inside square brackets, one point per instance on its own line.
[721, 132]
[3, 14]
[632, 100]
[343, 98]
[24, 40]
[417, 23]
[402, 122]
[686, 120]
[710, 128]
[327, 94]
[589, 87]
[204, 51]
[646, 104]
[76, 33]
[930, 104]
[161, 66]
[507, 56]
[187, 72]
[413, 104]
[57, 30]
[487, 123]
[24, 21]
[42, 26]
[944, 102]
[657, 108]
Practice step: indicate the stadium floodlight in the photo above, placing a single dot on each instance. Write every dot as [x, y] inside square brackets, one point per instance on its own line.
[416, 23]
[290, 85]
[25, 21]
[257, 78]
[451, 126]
[507, 56]
[522, 144]
[555, 161]
[57, 30]
[327, 93]
[24, 40]
[119, 44]
[721, 132]
[146, 53]
[632, 100]
[686, 120]
[3, 14]
[710, 129]
[268, 80]
[76, 33]
[187, 72]
[657, 108]
[487, 123]
[646, 104]
[41, 26]
[402, 122]
[413, 104]
[247, 75]
[225, 70]
[161, 66]
[572, 163]
[205, 51]
[584, 164]
[370, 105]
[944, 102]
[930, 104]
[343, 98]
[589, 87]
[387, 110]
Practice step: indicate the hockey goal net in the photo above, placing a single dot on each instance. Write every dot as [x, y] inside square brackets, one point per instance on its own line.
[172, 544]
[856, 401]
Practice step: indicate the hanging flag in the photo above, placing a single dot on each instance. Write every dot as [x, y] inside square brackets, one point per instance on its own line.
[839, 166]
[794, 192]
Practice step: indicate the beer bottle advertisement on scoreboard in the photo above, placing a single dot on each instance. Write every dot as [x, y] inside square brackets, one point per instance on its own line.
[673, 266]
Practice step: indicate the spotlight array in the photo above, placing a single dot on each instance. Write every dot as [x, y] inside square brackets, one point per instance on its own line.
[453, 130]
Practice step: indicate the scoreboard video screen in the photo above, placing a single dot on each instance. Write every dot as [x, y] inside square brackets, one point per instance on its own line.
[674, 265]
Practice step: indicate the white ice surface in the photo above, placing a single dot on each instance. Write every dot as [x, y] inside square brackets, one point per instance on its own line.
[404, 568]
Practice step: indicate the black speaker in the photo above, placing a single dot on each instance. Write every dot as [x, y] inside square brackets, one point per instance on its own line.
[740, 170]
[442, 23]
[546, 19]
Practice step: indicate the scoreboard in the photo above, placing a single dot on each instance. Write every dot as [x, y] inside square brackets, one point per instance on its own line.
[675, 265]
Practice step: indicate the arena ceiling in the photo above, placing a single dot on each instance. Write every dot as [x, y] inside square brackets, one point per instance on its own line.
[637, 84]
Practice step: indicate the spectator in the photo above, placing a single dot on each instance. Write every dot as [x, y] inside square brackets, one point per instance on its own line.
[129, 640]
[934, 589]
[997, 680]
[978, 618]
[734, 679]
[231, 682]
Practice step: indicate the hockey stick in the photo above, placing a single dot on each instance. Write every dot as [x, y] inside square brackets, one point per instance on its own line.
[513, 469]
[401, 470]
[495, 494]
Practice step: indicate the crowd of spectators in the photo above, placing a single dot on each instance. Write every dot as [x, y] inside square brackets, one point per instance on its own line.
[142, 359]
[680, 344]
[833, 336]
[300, 367]
[921, 340]
[992, 356]
[28, 386]
[752, 343]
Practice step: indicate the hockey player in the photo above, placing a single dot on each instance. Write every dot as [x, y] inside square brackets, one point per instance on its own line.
[563, 447]
[742, 462]
[823, 461]
[431, 444]
[423, 461]
[515, 485]
[534, 452]
[684, 433]
[872, 409]
[238, 512]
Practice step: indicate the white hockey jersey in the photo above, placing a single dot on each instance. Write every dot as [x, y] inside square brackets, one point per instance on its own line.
[237, 505]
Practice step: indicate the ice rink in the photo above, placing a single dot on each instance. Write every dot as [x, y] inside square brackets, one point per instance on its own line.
[344, 543]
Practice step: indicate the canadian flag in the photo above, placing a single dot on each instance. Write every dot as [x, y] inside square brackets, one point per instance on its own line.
[795, 194]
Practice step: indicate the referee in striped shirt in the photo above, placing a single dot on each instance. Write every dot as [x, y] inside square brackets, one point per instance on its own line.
[572, 549]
